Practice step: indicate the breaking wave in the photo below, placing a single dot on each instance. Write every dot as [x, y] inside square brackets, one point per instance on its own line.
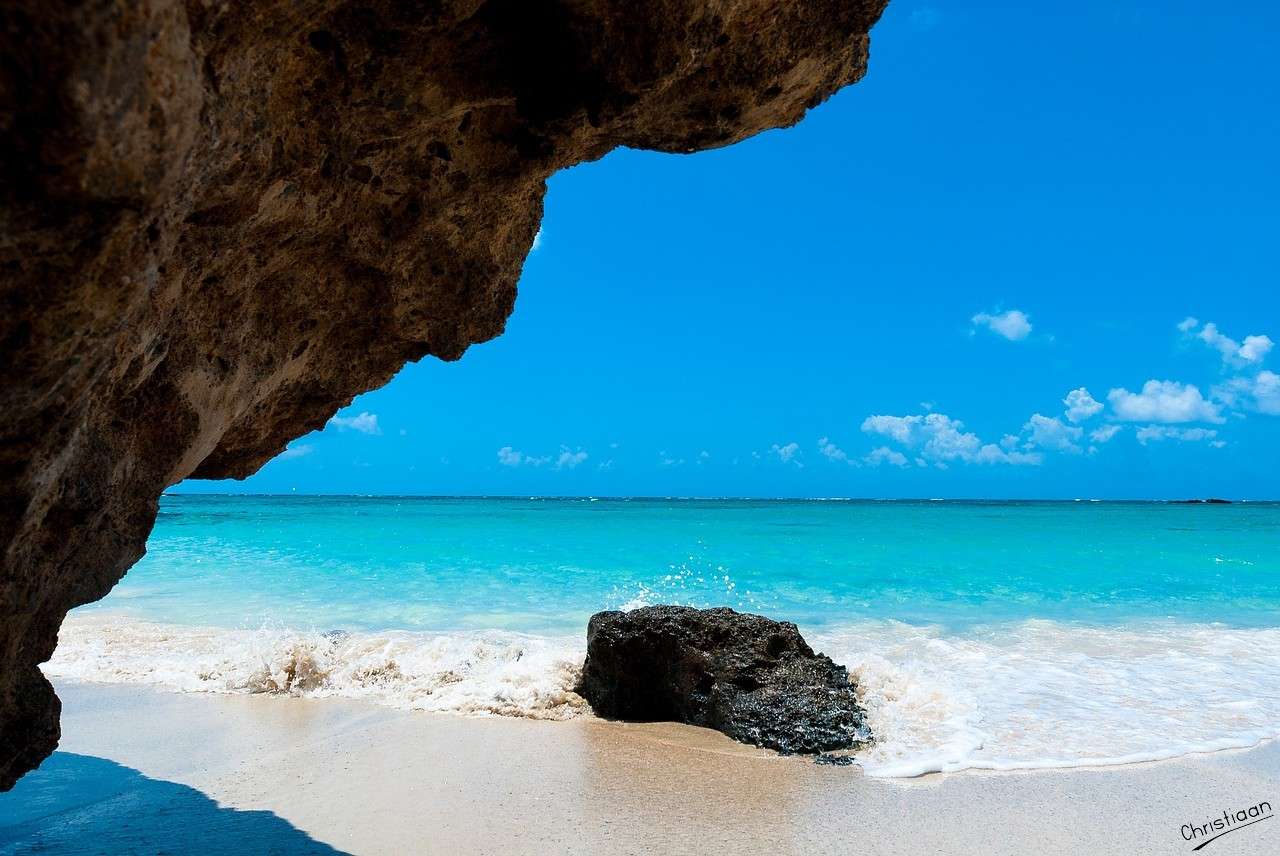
[1032, 694]
[501, 673]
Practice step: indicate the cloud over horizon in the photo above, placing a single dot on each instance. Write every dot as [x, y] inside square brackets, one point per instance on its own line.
[567, 459]
[1051, 433]
[1164, 401]
[364, 423]
[1157, 433]
[1103, 433]
[1014, 325]
[939, 440]
[1253, 350]
[885, 455]
[832, 452]
[788, 454]
[1260, 393]
[1081, 406]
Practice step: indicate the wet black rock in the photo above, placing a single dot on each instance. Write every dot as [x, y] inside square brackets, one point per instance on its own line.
[833, 760]
[748, 676]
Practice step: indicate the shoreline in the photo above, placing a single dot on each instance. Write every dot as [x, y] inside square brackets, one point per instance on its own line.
[1035, 695]
[363, 778]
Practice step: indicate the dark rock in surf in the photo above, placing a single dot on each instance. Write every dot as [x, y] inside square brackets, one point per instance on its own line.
[826, 760]
[748, 676]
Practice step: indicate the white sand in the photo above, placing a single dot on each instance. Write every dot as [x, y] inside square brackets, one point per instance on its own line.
[364, 779]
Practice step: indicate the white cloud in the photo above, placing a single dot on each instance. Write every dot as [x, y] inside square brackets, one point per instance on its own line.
[1014, 325]
[1163, 401]
[510, 457]
[832, 452]
[899, 428]
[1152, 433]
[1254, 349]
[947, 441]
[1051, 433]
[787, 454]
[1260, 393]
[537, 240]
[1081, 405]
[365, 423]
[566, 460]
[665, 460]
[1225, 345]
[885, 455]
[993, 454]
[569, 459]
[299, 451]
[1105, 432]
[1188, 324]
[940, 439]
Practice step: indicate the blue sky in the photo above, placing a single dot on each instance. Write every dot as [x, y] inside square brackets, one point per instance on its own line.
[896, 297]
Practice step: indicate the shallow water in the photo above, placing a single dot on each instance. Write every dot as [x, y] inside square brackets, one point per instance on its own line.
[987, 634]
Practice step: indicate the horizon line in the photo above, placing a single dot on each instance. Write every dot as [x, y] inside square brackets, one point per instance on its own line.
[1206, 500]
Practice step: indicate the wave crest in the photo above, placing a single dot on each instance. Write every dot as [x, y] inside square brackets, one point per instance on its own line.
[505, 674]
[1033, 694]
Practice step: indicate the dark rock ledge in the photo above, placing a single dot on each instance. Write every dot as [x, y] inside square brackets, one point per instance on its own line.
[220, 221]
[748, 676]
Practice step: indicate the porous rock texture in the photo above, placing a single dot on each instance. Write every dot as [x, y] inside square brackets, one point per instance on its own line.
[220, 220]
[748, 676]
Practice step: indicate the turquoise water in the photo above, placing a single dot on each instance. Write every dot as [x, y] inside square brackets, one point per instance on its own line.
[996, 635]
[546, 565]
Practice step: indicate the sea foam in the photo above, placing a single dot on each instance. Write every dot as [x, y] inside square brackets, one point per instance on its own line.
[1043, 694]
[496, 672]
[1025, 695]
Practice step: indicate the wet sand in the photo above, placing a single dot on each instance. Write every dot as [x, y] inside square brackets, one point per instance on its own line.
[141, 770]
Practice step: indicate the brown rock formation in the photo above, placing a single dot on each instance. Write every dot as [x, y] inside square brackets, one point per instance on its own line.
[221, 221]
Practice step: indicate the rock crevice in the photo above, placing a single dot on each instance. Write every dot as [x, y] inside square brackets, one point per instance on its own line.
[220, 222]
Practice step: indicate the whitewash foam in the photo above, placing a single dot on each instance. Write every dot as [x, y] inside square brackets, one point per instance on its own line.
[1034, 694]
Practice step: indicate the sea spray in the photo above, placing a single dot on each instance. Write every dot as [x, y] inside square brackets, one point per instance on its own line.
[494, 672]
[1020, 695]
[1044, 694]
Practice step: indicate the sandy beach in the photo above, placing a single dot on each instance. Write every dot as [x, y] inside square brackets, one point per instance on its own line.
[141, 770]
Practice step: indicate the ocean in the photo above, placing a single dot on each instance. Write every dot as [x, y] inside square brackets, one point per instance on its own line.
[983, 635]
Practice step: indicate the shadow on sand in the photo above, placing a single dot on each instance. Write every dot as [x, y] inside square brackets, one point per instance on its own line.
[80, 804]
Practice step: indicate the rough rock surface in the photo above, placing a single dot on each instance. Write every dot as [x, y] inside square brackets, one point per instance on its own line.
[751, 677]
[221, 221]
